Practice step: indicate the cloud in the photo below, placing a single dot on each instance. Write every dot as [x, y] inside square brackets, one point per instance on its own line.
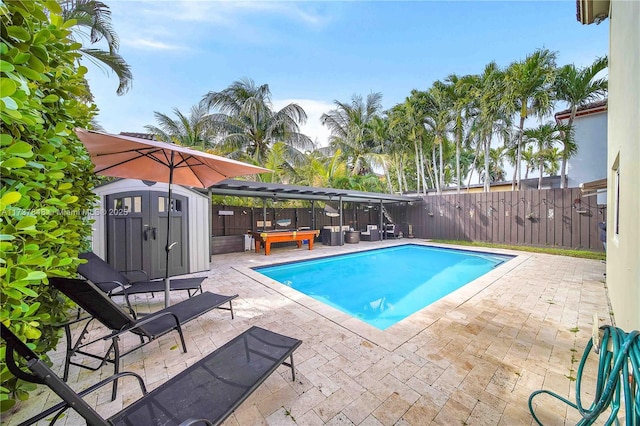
[146, 44]
[314, 109]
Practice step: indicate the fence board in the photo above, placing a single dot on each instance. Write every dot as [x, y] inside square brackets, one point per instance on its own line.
[500, 217]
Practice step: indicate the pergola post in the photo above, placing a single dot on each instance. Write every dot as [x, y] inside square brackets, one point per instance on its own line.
[341, 233]
[381, 225]
[264, 214]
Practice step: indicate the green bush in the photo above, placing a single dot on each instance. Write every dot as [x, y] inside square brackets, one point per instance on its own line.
[46, 175]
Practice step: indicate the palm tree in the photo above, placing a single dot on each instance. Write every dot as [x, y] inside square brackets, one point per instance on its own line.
[458, 94]
[380, 133]
[578, 86]
[545, 137]
[552, 160]
[248, 125]
[490, 115]
[529, 158]
[351, 131]
[321, 170]
[400, 145]
[95, 17]
[439, 120]
[529, 91]
[194, 130]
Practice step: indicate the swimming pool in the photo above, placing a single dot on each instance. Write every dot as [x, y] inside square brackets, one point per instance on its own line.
[384, 286]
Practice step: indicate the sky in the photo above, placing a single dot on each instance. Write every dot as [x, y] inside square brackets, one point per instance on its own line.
[316, 53]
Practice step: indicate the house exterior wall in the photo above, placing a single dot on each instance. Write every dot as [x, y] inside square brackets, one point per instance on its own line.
[623, 248]
[589, 163]
[198, 226]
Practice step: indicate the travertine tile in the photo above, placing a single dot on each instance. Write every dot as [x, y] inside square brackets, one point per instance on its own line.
[473, 357]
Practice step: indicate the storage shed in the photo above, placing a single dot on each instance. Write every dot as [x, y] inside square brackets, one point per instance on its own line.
[130, 228]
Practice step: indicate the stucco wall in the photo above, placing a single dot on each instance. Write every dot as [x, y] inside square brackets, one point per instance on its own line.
[589, 163]
[623, 250]
[198, 226]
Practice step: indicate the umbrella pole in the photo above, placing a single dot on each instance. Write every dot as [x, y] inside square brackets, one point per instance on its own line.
[167, 248]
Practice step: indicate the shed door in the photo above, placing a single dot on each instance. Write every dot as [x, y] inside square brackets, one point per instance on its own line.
[137, 232]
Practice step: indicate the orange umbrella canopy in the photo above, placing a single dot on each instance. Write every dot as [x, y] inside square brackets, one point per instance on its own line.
[136, 158]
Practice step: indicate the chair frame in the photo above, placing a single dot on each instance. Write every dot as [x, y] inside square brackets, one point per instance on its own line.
[123, 286]
[42, 374]
[132, 325]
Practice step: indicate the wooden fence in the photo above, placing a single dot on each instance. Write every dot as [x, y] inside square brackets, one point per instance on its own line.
[554, 217]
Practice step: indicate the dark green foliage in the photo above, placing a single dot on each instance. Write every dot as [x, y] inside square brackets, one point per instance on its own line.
[46, 176]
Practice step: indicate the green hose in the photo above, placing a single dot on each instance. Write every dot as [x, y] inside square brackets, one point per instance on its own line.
[618, 376]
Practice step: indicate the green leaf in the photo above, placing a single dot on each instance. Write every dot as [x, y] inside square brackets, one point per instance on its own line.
[27, 291]
[10, 198]
[50, 99]
[53, 6]
[34, 276]
[7, 87]
[18, 33]
[41, 36]
[20, 149]
[5, 237]
[5, 139]
[26, 222]
[30, 74]
[6, 66]
[7, 404]
[36, 64]
[10, 104]
[13, 163]
[21, 58]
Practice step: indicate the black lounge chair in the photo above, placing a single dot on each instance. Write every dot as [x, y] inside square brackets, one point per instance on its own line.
[205, 393]
[116, 283]
[87, 296]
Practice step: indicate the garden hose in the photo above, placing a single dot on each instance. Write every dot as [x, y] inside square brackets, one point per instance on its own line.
[618, 377]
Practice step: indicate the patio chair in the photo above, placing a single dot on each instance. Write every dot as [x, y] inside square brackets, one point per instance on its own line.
[87, 296]
[205, 393]
[116, 283]
[371, 234]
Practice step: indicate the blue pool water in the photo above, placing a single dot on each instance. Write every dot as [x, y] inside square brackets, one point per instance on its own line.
[384, 286]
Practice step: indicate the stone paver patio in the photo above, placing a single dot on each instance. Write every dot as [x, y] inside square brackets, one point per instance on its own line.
[471, 358]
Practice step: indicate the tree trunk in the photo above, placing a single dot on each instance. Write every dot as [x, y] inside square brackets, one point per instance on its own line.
[458, 143]
[422, 174]
[400, 172]
[519, 147]
[415, 147]
[441, 179]
[487, 176]
[541, 166]
[565, 158]
[436, 172]
[387, 176]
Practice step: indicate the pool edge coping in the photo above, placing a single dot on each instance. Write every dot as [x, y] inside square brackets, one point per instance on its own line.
[404, 330]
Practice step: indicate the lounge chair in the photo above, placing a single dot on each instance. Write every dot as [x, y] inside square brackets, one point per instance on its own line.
[205, 393]
[87, 296]
[371, 234]
[116, 283]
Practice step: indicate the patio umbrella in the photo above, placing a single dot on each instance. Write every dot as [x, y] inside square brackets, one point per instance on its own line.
[136, 158]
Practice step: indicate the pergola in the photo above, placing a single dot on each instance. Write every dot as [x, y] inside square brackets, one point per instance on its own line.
[278, 191]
